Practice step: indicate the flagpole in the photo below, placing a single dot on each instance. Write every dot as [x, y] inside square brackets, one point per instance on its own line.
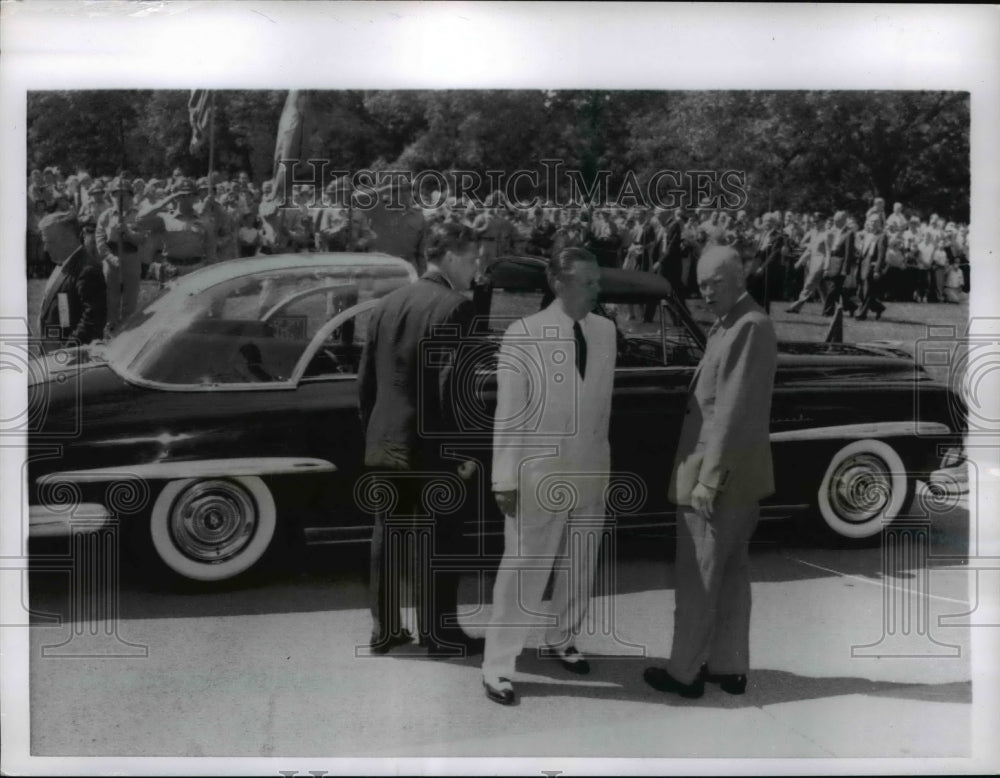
[211, 143]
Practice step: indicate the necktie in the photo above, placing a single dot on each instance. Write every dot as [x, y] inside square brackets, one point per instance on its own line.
[581, 350]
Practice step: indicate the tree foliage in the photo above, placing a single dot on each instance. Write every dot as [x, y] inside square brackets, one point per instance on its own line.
[799, 150]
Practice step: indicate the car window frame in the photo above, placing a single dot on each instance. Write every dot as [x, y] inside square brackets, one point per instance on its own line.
[130, 376]
[320, 338]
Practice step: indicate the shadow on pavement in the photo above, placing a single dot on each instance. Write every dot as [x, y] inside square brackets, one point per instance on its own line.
[614, 678]
[620, 678]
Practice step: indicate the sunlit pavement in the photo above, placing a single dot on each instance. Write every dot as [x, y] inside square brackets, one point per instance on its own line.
[848, 659]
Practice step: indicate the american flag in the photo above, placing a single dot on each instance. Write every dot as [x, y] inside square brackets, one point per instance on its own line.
[200, 111]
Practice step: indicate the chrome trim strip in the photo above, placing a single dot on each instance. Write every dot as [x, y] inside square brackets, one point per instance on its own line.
[321, 335]
[878, 429]
[205, 468]
[57, 520]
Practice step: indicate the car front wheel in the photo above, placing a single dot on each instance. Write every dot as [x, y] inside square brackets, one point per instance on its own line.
[213, 529]
[865, 487]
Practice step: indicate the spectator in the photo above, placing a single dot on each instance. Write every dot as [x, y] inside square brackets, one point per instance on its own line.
[119, 246]
[896, 221]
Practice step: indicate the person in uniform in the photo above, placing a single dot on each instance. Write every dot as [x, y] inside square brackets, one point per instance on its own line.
[214, 214]
[74, 303]
[188, 243]
[90, 211]
[341, 227]
[871, 268]
[120, 248]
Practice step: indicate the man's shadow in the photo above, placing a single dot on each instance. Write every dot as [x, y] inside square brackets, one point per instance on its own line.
[620, 678]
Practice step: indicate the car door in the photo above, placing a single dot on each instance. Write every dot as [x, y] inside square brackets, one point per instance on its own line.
[327, 398]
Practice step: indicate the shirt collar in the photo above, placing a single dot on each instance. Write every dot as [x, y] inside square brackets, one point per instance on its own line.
[564, 318]
[727, 319]
[435, 275]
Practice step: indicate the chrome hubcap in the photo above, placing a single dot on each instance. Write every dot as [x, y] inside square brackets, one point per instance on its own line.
[861, 488]
[213, 521]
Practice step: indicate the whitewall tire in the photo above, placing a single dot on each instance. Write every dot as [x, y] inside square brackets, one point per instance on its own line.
[213, 529]
[865, 487]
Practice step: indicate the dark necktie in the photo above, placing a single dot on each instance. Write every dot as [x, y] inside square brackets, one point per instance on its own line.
[581, 350]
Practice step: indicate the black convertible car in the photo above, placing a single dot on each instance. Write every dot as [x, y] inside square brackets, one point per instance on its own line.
[224, 416]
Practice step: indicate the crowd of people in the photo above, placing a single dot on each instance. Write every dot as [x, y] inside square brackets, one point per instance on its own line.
[158, 228]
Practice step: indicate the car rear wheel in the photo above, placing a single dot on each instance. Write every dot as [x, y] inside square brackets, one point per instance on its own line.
[213, 529]
[865, 487]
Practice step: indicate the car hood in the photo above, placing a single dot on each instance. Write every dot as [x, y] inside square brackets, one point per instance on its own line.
[873, 362]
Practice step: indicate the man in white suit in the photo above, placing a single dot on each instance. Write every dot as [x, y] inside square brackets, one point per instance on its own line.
[554, 379]
[722, 469]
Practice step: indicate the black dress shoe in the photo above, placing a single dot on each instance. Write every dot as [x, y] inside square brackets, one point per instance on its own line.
[451, 644]
[661, 680]
[383, 644]
[730, 683]
[569, 658]
[503, 694]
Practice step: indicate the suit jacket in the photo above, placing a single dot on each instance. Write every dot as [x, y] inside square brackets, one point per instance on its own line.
[843, 254]
[873, 256]
[672, 248]
[770, 248]
[405, 381]
[82, 281]
[725, 439]
[548, 420]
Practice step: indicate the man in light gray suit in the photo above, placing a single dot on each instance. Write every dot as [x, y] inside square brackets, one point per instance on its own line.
[555, 374]
[722, 469]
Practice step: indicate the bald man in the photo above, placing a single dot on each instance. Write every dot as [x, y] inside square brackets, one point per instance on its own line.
[722, 469]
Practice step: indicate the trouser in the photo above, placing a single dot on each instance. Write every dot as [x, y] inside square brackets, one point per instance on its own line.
[813, 284]
[122, 281]
[757, 288]
[793, 277]
[835, 292]
[894, 284]
[712, 610]
[870, 290]
[935, 278]
[405, 541]
[531, 545]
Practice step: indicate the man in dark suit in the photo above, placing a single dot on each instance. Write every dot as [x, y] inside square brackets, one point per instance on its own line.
[766, 270]
[871, 268]
[74, 305]
[841, 263]
[722, 469]
[667, 255]
[408, 410]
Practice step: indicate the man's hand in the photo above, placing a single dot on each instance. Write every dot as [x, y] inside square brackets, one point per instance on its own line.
[112, 261]
[507, 502]
[703, 499]
[467, 469]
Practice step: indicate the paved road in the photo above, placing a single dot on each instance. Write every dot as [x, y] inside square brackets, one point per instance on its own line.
[271, 668]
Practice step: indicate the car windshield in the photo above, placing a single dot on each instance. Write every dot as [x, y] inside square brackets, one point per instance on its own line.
[250, 328]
